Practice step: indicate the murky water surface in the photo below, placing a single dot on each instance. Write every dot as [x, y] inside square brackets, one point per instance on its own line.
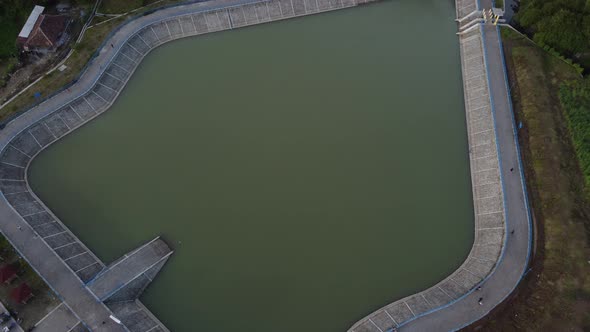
[306, 172]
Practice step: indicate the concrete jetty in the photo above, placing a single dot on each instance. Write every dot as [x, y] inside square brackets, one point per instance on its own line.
[126, 278]
[92, 291]
[118, 286]
[121, 283]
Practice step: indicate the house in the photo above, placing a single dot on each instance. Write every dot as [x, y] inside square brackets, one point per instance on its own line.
[43, 33]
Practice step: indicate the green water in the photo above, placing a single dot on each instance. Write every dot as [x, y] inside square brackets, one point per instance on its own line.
[306, 172]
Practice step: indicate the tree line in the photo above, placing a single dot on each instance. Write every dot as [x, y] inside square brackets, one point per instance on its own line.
[563, 25]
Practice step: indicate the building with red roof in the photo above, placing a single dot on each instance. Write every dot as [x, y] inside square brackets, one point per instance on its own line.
[43, 33]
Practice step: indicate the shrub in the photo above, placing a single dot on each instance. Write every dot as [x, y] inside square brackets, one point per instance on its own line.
[562, 24]
[575, 98]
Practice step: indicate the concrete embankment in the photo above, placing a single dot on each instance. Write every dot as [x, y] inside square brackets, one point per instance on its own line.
[56, 253]
[501, 249]
[487, 197]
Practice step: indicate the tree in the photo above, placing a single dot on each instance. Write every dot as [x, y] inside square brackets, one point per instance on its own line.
[561, 24]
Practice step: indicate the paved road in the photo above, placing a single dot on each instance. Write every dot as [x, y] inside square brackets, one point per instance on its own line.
[513, 264]
[485, 4]
[59, 319]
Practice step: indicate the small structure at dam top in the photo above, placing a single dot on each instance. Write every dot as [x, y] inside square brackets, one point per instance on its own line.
[104, 298]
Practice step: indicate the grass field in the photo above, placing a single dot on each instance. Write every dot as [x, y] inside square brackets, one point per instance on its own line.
[8, 32]
[575, 99]
[555, 296]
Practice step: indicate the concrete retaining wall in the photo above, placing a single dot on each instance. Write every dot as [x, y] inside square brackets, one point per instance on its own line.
[488, 197]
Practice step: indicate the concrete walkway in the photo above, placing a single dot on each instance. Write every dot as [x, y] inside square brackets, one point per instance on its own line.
[54, 271]
[491, 130]
[516, 252]
[60, 319]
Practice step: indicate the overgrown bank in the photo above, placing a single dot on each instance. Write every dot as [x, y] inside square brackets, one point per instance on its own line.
[575, 99]
[555, 295]
[561, 25]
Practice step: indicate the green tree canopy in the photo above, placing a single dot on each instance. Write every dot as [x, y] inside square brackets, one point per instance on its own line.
[562, 24]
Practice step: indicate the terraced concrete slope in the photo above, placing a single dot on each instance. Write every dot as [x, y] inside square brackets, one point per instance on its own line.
[501, 248]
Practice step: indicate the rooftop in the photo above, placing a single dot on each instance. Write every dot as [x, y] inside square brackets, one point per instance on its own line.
[30, 23]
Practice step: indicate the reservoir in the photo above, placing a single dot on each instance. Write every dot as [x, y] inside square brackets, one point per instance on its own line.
[306, 172]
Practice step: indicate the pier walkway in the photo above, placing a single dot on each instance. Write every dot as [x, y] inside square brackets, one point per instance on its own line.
[127, 277]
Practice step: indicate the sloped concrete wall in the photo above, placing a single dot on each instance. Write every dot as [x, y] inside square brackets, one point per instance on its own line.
[488, 196]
